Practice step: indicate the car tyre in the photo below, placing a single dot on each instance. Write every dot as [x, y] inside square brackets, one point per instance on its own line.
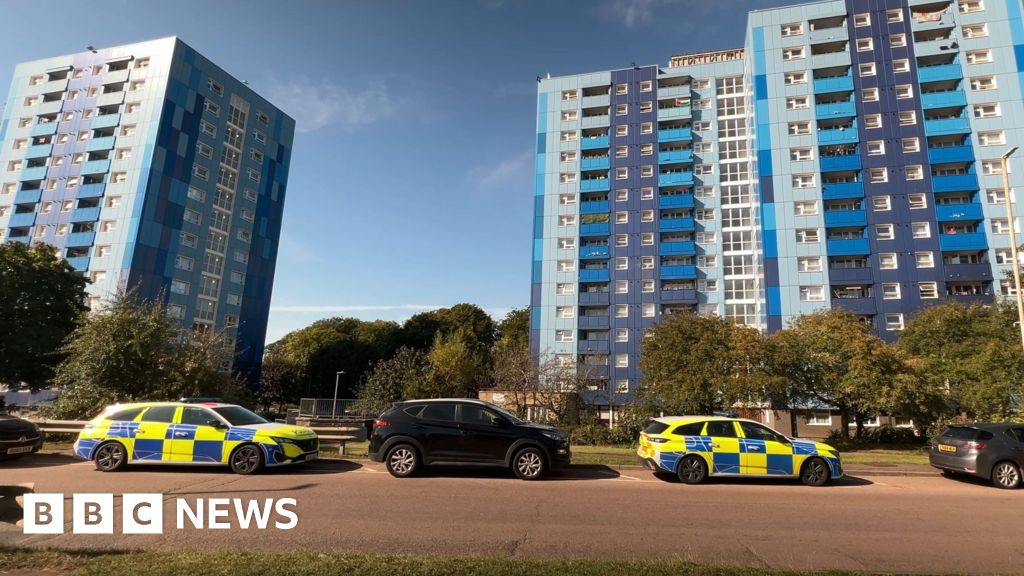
[528, 464]
[692, 470]
[110, 457]
[815, 472]
[246, 459]
[1006, 475]
[402, 461]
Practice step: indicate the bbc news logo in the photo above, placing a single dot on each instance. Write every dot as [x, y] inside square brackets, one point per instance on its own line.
[144, 513]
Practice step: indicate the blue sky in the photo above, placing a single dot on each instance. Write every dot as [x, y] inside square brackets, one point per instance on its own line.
[411, 184]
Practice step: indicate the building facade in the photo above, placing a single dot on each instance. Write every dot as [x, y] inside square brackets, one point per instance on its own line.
[151, 169]
[847, 156]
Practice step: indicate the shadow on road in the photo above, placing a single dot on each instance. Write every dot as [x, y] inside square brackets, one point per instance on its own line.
[845, 481]
[38, 461]
[595, 472]
[971, 480]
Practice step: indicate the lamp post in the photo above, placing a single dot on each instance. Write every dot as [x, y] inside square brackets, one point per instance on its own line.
[334, 405]
[1013, 241]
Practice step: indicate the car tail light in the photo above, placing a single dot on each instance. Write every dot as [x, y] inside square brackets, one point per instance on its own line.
[975, 446]
[379, 423]
[657, 440]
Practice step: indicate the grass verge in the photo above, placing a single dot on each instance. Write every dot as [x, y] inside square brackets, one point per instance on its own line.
[215, 563]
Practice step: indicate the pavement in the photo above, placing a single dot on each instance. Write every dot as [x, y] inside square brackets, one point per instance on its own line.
[913, 522]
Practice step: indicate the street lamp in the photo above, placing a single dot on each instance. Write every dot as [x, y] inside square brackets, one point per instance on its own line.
[334, 405]
[1013, 240]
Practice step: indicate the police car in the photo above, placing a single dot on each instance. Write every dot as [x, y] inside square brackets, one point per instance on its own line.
[210, 433]
[695, 447]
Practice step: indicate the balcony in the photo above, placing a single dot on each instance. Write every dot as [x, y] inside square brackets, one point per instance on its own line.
[830, 59]
[946, 126]
[676, 201]
[677, 91]
[856, 305]
[28, 196]
[849, 275]
[828, 35]
[686, 296]
[597, 207]
[594, 275]
[600, 163]
[110, 98]
[969, 299]
[674, 112]
[594, 298]
[115, 77]
[595, 372]
[933, 47]
[955, 183]
[96, 167]
[943, 99]
[51, 107]
[592, 252]
[686, 272]
[86, 214]
[959, 272]
[670, 248]
[79, 263]
[106, 121]
[29, 174]
[39, 150]
[939, 73]
[675, 179]
[848, 247]
[602, 100]
[835, 110]
[593, 321]
[841, 190]
[54, 86]
[80, 239]
[945, 21]
[951, 154]
[594, 185]
[834, 84]
[675, 156]
[599, 121]
[90, 190]
[969, 241]
[959, 212]
[593, 142]
[675, 135]
[840, 163]
[105, 143]
[845, 218]
[676, 224]
[596, 229]
[46, 129]
[593, 346]
[838, 136]
[22, 220]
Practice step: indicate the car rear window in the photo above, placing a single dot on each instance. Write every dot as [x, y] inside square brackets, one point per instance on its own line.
[160, 414]
[414, 411]
[441, 412]
[691, 429]
[1016, 433]
[722, 429]
[656, 427]
[966, 433]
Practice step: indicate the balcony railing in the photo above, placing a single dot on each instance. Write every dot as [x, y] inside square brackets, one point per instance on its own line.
[670, 248]
[848, 247]
[963, 241]
[955, 183]
[970, 212]
[840, 190]
[845, 218]
[676, 201]
[676, 224]
[951, 154]
[684, 272]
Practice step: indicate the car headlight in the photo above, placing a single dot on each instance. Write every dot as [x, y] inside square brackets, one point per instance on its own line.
[556, 436]
[284, 440]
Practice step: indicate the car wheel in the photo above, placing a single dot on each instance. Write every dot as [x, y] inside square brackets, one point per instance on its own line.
[815, 472]
[692, 470]
[402, 461]
[110, 457]
[246, 459]
[1006, 475]
[528, 464]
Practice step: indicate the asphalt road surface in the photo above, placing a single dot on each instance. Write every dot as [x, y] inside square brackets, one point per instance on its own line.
[900, 524]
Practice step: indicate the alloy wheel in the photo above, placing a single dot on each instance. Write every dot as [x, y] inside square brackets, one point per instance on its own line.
[529, 464]
[402, 461]
[1006, 475]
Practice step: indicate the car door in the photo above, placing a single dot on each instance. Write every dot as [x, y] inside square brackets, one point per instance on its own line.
[764, 451]
[486, 436]
[198, 436]
[1016, 443]
[153, 434]
[438, 432]
[725, 446]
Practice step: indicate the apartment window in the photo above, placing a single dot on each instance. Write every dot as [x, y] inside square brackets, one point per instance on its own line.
[799, 128]
[622, 334]
[884, 232]
[869, 94]
[890, 291]
[704, 192]
[881, 203]
[647, 310]
[621, 195]
[910, 145]
[876, 147]
[928, 290]
[862, 19]
[915, 172]
[920, 230]
[707, 261]
[901, 65]
[812, 294]
[986, 110]
[565, 312]
[180, 287]
[980, 83]
[569, 115]
[567, 177]
[622, 311]
[569, 95]
[621, 287]
[895, 15]
[646, 107]
[183, 263]
[621, 109]
[872, 120]
[805, 208]
[704, 214]
[704, 238]
[566, 243]
[809, 263]
[567, 220]
[621, 361]
[621, 263]
[192, 216]
[647, 262]
[189, 240]
[979, 56]
[908, 118]
[647, 286]
[924, 260]
[878, 175]
[894, 322]
[646, 86]
[797, 53]
[215, 86]
[204, 150]
[992, 138]
[566, 289]
[704, 169]
[566, 266]
[622, 130]
[702, 126]
[795, 78]
[123, 154]
[646, 149]
[646, 171]
[904, 91]
[917, 201]
[797, 103]
[647, 239]
[565, 156]
[201, 172]
[864, 44]
[808, 236]
[1000, 226]
[991, 167]
[968, 6]
[996, 196]
[569, 135]
[621, 173]
[897, 40]
[622, 217]
[792, 29]
[800, 154]
[803, 180]
[866, 69]
[621, 89]
[975, 30]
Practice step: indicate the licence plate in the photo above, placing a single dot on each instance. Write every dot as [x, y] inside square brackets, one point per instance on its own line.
[946, 448]
[19, 450]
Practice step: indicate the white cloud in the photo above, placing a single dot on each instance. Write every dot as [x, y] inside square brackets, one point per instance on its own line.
[633, 12]
[518, 167]
[316, 105]
[353, 308]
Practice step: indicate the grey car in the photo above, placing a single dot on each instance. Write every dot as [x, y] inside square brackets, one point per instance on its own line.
[991, 451]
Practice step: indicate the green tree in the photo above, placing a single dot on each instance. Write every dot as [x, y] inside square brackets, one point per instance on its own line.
[421, 330]
[458, 369]
[514, 329]
[41, 297]
[281, 383]
[394, 379]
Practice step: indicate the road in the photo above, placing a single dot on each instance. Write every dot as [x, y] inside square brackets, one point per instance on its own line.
[928, 524]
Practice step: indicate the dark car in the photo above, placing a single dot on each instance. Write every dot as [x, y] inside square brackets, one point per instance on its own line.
[991, 451]
[18, 437]
[463, 432]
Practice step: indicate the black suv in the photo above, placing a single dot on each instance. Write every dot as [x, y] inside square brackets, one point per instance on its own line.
[463, 432]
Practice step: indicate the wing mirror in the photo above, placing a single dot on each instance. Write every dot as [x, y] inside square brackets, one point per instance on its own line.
[217, 424]
[499, 422]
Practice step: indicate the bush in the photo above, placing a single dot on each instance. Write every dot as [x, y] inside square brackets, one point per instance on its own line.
[881, 437]
[598, 434]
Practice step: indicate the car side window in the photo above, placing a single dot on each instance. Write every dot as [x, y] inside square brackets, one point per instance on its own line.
[1017, 434]
[125, 415]
[473, 414]
[758, 432]
[196, 416]
[721, 429]
[691, 429]
[440, 412]
[414, 411]
[160, 414]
